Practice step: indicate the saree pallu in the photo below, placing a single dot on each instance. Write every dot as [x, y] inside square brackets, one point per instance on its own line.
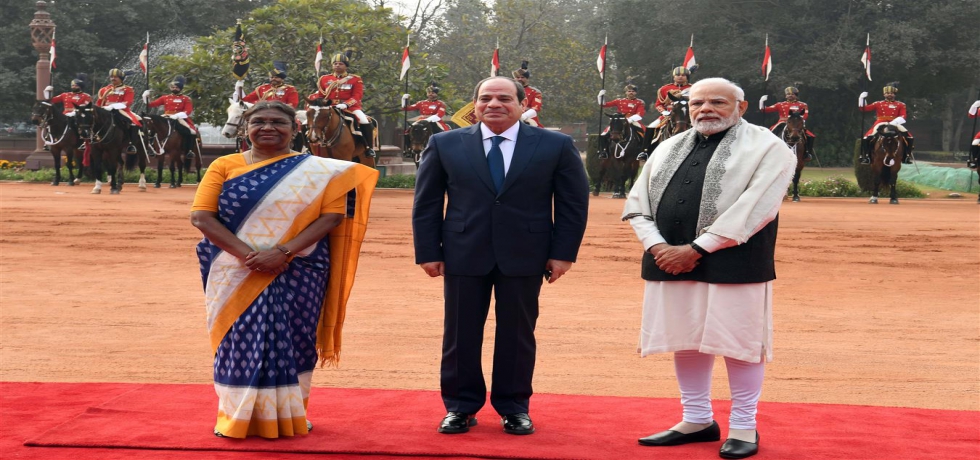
[268, 331]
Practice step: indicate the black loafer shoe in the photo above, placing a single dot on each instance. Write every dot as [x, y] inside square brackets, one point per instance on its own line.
[517, 424]
[457, 422]
[733, 448]
[676, 438]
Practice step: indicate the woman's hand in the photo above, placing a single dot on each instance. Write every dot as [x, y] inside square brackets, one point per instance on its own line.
[268, 261]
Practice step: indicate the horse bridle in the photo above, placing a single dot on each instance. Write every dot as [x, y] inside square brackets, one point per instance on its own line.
[425, 127]
[684, 120]
[312, 126]
[46, 124]
[620, 147]
[100, 138]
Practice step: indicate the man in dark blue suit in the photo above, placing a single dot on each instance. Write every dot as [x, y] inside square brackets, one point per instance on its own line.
[498, 234]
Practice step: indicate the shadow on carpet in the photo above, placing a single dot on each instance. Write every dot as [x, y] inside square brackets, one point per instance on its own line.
[403, 423]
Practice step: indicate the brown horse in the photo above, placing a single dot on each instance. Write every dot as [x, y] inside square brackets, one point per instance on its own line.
[330, 135]
[108, 139]
[621, 166]
[61, 137]
[794, 135]
[418, 137]
[170, 143]
[678, 121]
[888, 150]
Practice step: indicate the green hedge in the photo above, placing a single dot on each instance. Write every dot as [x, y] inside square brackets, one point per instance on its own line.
[838, 186]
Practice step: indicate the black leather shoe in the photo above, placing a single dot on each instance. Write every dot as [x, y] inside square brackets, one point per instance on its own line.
[517, 424]
[733, 448]
[676, 438]
[456, 422]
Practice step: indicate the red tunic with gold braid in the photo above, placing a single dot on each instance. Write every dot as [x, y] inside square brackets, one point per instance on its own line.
[110, 94]
[284, 93]
[784, 108]
[628, 107]
[175, 103]
[974, 115]
[663, 102]
[885, 112]
[349, 91]
[429, 108]
[533, 96]
[71, 100]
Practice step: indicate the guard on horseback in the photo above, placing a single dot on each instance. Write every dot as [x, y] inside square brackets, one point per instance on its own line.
[975, 145]
[275, 90]
[680, 85]
[74, 98]
[791, 104]
[888, 112]
[531, 94]
[118, 97]
[631, 107]
[179, 107]
[431, 109]
[345, 91]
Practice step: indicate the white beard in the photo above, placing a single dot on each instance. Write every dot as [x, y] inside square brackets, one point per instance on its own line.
[708, 128]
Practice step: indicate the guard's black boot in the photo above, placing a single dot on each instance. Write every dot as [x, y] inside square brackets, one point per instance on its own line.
[910, 145]
[367, 130]
[974, 155]
[809, 149]
[190, 142]
[865, 151]
[134, 138]
[603, 148]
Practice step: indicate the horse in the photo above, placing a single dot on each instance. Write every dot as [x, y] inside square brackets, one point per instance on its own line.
[60, 137]
[678, 121]
[887, 152]
[418, 137]
[169, 141]
[794, 135]
[330, 136]
[625, 141]
[107, 141]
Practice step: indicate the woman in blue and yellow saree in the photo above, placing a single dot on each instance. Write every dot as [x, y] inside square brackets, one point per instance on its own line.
[282, 234]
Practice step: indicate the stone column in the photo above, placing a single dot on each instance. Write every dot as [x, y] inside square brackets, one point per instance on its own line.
[42, 29]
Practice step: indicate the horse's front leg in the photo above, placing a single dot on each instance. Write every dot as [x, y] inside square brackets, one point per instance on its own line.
[893, 182]
[796, 186]
[875, 186]
[56, 156]
[173, 174]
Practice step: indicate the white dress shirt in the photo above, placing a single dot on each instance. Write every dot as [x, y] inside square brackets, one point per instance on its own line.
[506, 146]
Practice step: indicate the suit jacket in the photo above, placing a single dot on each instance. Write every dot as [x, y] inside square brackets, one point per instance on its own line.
[514, 229]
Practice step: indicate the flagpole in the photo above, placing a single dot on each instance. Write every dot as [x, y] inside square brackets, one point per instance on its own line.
[50, 67]
[408, 43]
[864, 88]
[147, 63]
[603, 75]
[765, 80]
[973, 131]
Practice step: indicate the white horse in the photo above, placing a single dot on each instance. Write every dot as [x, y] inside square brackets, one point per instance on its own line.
[235, 111]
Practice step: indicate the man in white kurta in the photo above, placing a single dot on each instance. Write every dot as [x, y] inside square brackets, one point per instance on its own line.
[705, 209]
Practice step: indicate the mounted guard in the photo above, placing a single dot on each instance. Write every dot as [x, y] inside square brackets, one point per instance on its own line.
[431, 109]
[633, 108]
[791, 104]
[531, 94]
[118, 97]
[70, 100]
[275, 90]
[680, 87]
[345, 91]
[178, 106]
[975, 145]
[888, 112]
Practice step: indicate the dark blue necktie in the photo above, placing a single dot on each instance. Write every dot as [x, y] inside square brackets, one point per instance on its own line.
[495, 159]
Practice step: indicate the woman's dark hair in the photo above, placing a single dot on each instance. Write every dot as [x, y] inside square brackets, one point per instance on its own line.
[286, 109]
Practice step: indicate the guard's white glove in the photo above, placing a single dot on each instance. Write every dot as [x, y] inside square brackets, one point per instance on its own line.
[117, 106]
[600, 95]
[898, 121]
[973, 108]
[656, 124]
[50, 89]
[405, 100]
[861, 99]
[634, 118]
[762, 101]
[686, 92]
[341, 106]
[529, 114]
[239, 84]
[146, 96]
[665, 113]
[180, 115]
[434, 119]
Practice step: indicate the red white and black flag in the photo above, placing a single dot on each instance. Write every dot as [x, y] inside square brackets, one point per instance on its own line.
[767, 61]
[144, 55]
[51, 52]
[406, 60]
[495, 61]
[689, 60]
[318, 58]
[600, 62]
[866, 58]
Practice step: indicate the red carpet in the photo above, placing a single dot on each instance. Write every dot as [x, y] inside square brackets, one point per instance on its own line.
[81, 421]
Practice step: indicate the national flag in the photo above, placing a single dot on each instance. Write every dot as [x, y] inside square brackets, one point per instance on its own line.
[600, 62]
[495, 63]
[239, 53]
[406, 61]
[689, 61]
[51, 52]
[319, 56]
[767, 61]
[144, 55]
[866, 58]
[465, 116]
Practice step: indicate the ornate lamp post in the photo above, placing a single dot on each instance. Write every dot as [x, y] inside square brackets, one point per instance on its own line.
[42, 28]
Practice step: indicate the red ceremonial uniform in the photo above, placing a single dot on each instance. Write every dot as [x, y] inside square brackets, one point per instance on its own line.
[109, 95]
[533, 96]
[284, 93]
[784, 108]
[628, 107]
[663, 102]
[349, 91]
[885, 112]
[72, 100]
[974, 115]
[428, 108]
[175, 103]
